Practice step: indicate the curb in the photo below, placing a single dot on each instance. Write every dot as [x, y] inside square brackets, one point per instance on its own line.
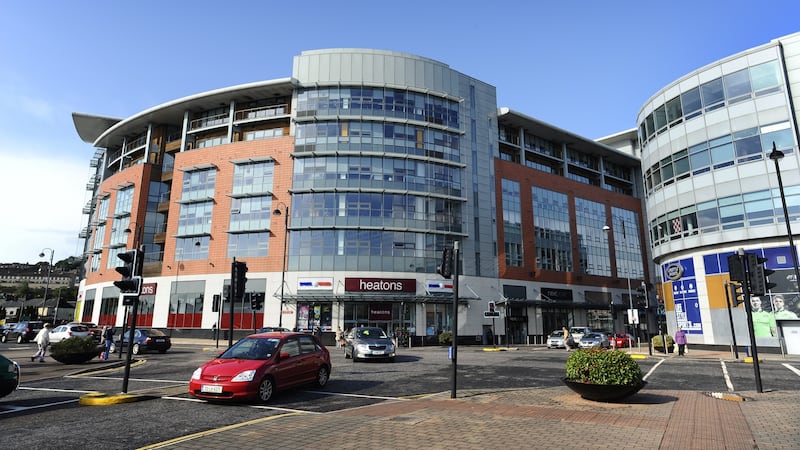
[101, 399]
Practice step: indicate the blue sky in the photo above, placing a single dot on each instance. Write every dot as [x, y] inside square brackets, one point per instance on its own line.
[584, 66]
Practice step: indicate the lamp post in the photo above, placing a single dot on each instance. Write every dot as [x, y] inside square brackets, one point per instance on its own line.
[285, 214]
[776, 155]
[49, 271]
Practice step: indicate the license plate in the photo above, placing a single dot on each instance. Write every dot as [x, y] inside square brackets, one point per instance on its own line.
[378, 352]
[159, 339]
[211, 388]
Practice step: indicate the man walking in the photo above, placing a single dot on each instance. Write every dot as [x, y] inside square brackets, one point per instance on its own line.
[42, 339]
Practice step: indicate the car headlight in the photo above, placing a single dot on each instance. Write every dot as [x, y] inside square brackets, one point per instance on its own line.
[247, 375]
[362, 347]
[196, 374]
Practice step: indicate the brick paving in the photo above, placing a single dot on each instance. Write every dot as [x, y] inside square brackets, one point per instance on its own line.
[551, 418]
[546, 418]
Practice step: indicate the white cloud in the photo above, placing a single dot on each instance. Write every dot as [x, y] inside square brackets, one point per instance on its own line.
[41, 202]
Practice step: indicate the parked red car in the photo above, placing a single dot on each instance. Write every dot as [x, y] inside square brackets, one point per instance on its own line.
[622, 340]
[261, 364]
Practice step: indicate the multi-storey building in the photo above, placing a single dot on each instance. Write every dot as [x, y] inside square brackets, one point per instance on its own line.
[341, 185]
[712, 188]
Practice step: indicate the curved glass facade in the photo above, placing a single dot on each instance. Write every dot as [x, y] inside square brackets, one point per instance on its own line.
[379, 167]
[711, 187]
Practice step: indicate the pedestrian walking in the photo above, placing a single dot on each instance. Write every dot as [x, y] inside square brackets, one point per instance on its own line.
[107, 339]
[680, 339]
[568, 341]
[42, 340]
[338, 336]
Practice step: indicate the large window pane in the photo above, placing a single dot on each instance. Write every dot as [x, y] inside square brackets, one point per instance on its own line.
[691, 103]
[737, 85]
[712, 94]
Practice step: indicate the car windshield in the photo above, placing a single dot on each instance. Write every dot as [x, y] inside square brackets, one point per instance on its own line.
[252, 348]
[371, 333]
[593, 336]
[557, 334]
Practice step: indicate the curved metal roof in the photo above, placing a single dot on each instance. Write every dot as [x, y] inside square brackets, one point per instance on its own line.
[107, 132]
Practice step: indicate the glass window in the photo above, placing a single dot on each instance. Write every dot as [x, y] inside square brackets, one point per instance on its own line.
[765, 78]
[780, 134]
[681, 163]
[512, 223]
[731, 210]
[124, 201]
[712, 94]
[253, 178]
[551, 229]
[691, 103]
[708, 215]
[660, 117]
[699, 157]
[737, 86]
[758, 205]
[590, 218]
[248, 244]
[674, 112]
[199, 184]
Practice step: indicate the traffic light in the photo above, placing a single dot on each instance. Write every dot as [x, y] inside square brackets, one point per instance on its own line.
[256, 300]
[446, 268]
[215, 303]
[641, 296]
[131, 270]
[238, 279]
[759, 283]
[736, 268]
[737, 294]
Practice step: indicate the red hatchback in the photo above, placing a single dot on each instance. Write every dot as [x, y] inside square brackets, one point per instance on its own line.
[622, 340]
[260, 364]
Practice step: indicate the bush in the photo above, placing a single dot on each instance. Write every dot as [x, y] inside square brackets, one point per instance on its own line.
[658, 344]
[598, 366]
[75, 345]
[445, 338]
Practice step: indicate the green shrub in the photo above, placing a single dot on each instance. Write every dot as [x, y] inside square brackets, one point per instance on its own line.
[445, 338]
[658, 344]
[74, 345]
[598, 366]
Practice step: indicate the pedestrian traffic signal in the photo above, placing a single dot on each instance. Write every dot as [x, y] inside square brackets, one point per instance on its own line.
[256, 300]
[446, 268]
[759, 283]
[736, 268]
[131, 271]
[737, 294]
[215, 303]
[238, 279]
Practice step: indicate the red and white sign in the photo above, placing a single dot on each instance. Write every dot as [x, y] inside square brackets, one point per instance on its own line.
[315, 284]
[380, 285]
[149, 289]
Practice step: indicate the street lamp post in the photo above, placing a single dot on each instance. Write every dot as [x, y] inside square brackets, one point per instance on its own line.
[49, 271]
[285, 214]
[776, 155]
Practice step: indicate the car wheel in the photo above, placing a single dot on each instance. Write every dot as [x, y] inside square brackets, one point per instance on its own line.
[346, 355]
[353, 355]
[112, 349]
[265, 389]
[136, 349]
[391, 360]
[322, 376]
[20, 340]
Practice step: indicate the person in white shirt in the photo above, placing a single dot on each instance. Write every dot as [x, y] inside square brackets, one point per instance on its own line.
[43, 341]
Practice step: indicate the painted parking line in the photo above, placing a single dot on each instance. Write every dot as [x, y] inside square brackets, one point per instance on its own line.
[727, 376]
[653, 369]
[15, 408]
[792, 368]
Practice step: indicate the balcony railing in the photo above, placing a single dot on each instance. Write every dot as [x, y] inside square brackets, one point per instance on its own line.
[261, 112]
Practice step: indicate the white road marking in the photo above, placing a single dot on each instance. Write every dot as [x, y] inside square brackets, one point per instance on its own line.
[727, 377]
[14, 409]
[792, 368]
[653, 369]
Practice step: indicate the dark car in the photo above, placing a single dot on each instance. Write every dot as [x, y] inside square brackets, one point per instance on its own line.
[369, 343]
[260, 364]
[23, 331]
[9, 376]
[144, 340]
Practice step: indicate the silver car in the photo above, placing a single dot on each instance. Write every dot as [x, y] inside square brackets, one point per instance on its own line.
[594, 339]
[369, 343]
[556, 339]
[67, 331]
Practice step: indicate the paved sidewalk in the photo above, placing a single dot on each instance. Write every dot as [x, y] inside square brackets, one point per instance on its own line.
[548, 418]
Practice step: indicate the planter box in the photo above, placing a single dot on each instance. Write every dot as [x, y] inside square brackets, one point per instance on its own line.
[602, 392]
[74, 358]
